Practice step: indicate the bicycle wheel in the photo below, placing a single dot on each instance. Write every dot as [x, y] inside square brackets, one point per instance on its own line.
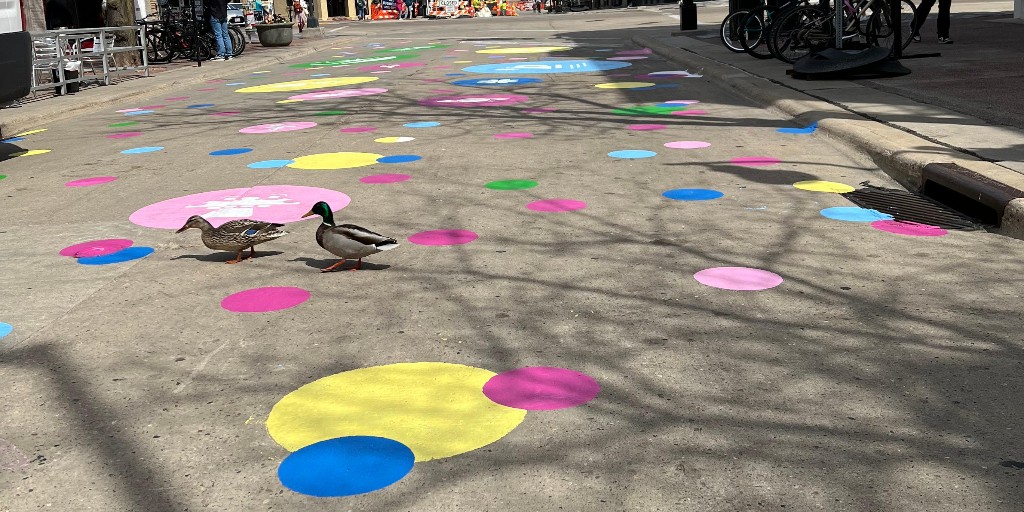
[880, 30]
[802, 31]
[756, 26]
[731, 31]
[158, 46]
[238, 41]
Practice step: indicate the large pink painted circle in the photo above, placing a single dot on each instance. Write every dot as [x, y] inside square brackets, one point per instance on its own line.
[556, 205]
[288, 126]
[338, 93]
[385, 178]
[513, 135]
[123, 135]
[474, 100]
[541, 388]
[271, 203]
[755, 161]
[94, 248]
[687, 144]
[443, 237]
[262, 300]
[908, 228]
[88, 182]
[738, 278]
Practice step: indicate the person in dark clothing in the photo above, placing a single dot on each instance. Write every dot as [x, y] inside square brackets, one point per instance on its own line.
[942, 24]
[218, 10]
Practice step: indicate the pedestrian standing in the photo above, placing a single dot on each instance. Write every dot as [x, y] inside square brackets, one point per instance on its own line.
[300, 13]
[361, 9]
[218, 10]
[942, 24]
[401, 9]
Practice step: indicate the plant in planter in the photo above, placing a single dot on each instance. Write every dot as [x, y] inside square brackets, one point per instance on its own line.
[274, 34]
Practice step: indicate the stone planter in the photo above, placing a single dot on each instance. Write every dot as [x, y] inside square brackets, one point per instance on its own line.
[274, 34]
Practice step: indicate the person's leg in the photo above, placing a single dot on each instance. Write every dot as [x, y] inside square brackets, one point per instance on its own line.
[922, 14]
[226, 37]
[217, 35]
[943, 21]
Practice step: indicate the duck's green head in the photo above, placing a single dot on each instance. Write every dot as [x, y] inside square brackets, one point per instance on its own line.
[324, 210]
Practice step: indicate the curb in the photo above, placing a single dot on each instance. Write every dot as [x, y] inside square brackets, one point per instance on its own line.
[898, 153]
[16, 120]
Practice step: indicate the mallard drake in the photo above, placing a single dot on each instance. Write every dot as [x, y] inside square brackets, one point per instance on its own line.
[235, 235]
[347, 241]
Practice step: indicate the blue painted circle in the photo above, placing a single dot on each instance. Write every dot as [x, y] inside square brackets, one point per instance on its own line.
[13, 139]
[854, 214]
[269, 164]
[632, 153]
[236, 83]
[547, 66]
[495, 82]
[229, 152]
[139, 112]
[146, 149]
[679, 106]
[345, 466]
[422, 124]
[692, 194]
[129, 254]
[398, 159]
[454, 74]
[5, 329]
[200, 105]
[657, 86]
[807, 129]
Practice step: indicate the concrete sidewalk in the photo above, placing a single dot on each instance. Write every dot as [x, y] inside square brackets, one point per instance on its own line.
[958, 108]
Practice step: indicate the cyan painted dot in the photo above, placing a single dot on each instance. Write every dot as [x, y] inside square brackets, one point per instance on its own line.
[320, 74]
[236, 83]
[422, 124]
[346, 466]
[139, 112]
[129, 254]
[229, 152]
[455, 74]
[398, 159]
[146, 149]
[13, 139]
[269, 164]
[631, 153]
[807, 129]
[692, 194]
[5, 329]
[200, 105]
[854, 214]
[678, 106]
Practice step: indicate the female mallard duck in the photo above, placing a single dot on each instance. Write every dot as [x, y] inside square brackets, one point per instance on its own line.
[235, 235]
[347, 241]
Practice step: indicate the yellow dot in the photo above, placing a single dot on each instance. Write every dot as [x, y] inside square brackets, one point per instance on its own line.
[30, 132]
[392, 140]
[436, 409]
[824, 186]
[462, 62]
[288, 101]
[526, 49]
[259, 72]
[325, 161]
[624, 85]
[301, 85]
[31, 152]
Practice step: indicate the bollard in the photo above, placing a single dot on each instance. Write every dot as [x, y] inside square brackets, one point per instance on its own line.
[687, 15]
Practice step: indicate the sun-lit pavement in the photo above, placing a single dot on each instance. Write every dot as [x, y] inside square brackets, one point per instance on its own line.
[641, 230]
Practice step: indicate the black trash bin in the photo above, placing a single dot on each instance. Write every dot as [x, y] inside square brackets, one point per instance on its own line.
[687, 15]
[73, 87]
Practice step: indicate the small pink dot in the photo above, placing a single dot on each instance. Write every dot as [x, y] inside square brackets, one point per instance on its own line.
[556, 205]
[646, 127]
[124, 135]
[223, 114]
[358, 129]
[541, 388]
[908, 228]
[690, 113]
[261, 300]
[687, 144]
[755, 161]
[205, 89]
[96, 248]
[738, 278]
[513, 135]
[385, 178]
[443, 237]
[88, 182]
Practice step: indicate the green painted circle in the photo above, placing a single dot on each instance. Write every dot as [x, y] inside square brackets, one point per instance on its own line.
[511, 184]
[383, 59]
[126, 123]
[2, 176]
[647, 110]
[331, 113]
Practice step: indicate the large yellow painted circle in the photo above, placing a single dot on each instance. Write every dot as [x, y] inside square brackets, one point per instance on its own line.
[314, 83]
[436, 409]
[526, 49]
[624, 85]
[327, 161]
[824, 186]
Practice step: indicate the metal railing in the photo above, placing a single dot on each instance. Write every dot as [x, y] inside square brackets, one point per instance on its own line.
[55, 50]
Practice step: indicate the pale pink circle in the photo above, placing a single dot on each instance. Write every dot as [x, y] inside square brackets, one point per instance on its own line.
[513, 135]
[124, 135]
[379, 72]
[474, 100]
[646, 127]
[96, 248]
[443, 237]
[755, 161]
[358, 129]
[908, 228]
[385, 178]
[738, 278]
[541, 388]
[261, 300]
[556, 205]
[338, 93]
[690, 113]
[271, 203]
[223, 114]
[687, 144]
[396, 65]
[287, 126]
[88, 182]
[126, 110]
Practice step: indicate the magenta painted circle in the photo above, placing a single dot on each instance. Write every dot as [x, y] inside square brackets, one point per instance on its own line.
[646, 127]
[396, 65]
[908, 228]
[443, 237]
[123, 135]
[88, 182]
[738, 278]
[261, 300]
[271, 203]
[474, 100]
[556, 205]
[385, 178]
[224, 114]
[513, 135]
[687, 144]
[287, 126]
[755, 161]
[96, 248]
[682, 102]
[338, 93]
[541, 388]
[690, 113]
[358, 129]
[205, 89]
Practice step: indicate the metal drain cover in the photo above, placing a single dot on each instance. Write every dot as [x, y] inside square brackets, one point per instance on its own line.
[911, 207]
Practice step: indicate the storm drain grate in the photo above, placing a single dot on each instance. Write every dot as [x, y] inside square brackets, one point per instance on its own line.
[910, 207]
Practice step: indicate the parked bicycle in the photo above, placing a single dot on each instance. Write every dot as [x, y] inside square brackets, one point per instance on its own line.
[186, 36]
